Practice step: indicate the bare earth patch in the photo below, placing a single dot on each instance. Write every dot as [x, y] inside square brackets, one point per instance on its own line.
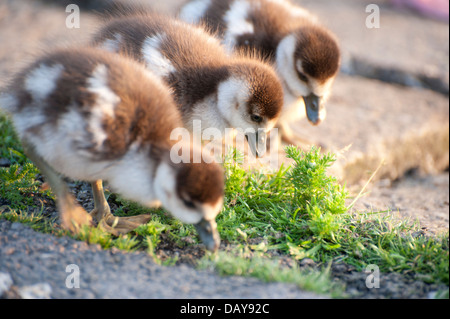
[381, 121]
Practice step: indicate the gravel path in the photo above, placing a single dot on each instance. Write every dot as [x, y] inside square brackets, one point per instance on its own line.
[34, 264]
[37, 263]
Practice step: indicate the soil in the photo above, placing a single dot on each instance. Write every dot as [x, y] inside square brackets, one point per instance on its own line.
[22, 254]
[415, 197]
[35, 265]
[31, 258]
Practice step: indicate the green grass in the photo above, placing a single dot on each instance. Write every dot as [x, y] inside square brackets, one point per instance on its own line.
[301, 211]
[10, 147]
[298, 211]
[19, 186]
[243, 261]
[295, 207]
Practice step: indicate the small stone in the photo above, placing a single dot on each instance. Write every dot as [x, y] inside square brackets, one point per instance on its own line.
[4, 162]
[37, 291]
[188, 239]
[5, 282]
[307, 262]
[16, 226]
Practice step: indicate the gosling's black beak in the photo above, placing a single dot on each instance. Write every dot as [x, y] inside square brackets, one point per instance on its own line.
[314, 108]
[257, 142]
[207, 230]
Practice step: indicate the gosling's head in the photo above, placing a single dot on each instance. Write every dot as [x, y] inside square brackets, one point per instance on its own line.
[193, 192]
[251, 99]
[308, 61]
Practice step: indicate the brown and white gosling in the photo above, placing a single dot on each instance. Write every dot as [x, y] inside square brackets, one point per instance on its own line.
[221, 90]
[91, 115]
[306, 54]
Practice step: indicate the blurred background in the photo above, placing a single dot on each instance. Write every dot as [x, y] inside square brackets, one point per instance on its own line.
[390, 102]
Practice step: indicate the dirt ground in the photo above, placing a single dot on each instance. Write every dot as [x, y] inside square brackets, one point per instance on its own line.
[415, 183]
[27, 256]
[413, 136]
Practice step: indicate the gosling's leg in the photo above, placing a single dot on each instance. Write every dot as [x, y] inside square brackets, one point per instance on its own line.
[289, 137]
[101, 207]
[106, 220]
[72, 215]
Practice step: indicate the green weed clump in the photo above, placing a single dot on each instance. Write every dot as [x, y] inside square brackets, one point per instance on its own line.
[301, 211]
[10, 147]
[243, 261]
[19, 186]
[294, 208]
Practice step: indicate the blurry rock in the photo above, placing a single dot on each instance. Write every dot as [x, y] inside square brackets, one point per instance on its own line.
[407, 49]
[307, 262]
[84, 4]
[4, 162]
[5, 282]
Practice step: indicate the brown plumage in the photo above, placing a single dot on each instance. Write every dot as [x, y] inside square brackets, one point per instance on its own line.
[306, 54]
[126, 79]
[199, 64]
[195, 65]
[273, 21]
[202, 183]
[92, 115]
[318, 52]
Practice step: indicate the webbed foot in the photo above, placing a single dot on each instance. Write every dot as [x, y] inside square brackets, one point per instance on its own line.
[107, 221]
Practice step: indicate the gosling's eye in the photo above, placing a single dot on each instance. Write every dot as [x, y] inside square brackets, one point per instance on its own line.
[256, 118]
[188, 203]
[302, 77]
